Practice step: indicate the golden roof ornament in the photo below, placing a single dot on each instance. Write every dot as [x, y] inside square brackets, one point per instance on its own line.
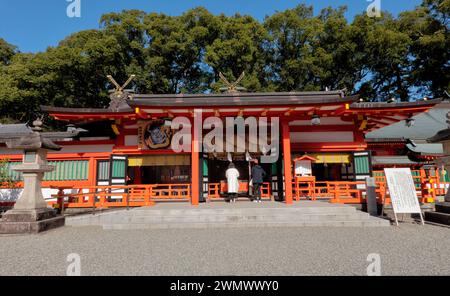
[118, 95]
[232, 87]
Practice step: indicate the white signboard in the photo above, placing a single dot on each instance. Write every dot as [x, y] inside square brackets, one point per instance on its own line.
[303, 168]
[402, 191]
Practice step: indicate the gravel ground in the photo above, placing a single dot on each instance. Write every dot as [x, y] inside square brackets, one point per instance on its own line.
[405, 250]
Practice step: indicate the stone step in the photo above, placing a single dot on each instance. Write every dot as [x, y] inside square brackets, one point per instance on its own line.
[205, 215]
[443, 207]
[136, 226]
[230, 215]
[240, 211]
[437, 217]
[233, 218]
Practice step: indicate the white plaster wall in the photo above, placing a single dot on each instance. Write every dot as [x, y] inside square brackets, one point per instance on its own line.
[131, 140]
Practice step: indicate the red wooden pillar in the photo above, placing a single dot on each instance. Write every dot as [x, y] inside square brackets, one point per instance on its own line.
[195, 163]
[286, 138]
[92, 176]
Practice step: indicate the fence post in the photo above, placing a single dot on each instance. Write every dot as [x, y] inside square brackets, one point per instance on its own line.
[93, 200]
[371, 197]
[61, 200]
[336, 198]
[128, 199]
[147, 196]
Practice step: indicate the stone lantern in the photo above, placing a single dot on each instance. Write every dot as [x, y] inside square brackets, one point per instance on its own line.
[31, 213]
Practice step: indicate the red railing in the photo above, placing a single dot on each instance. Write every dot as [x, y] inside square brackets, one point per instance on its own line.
[219, 190]
[428, 187]
[341, 191]
[120, 196]
[354, 192]
[429, 183]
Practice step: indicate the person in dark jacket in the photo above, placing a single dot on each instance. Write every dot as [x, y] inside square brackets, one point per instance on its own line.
[258, 175]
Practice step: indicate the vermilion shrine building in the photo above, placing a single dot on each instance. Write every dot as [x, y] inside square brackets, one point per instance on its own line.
[129, 144]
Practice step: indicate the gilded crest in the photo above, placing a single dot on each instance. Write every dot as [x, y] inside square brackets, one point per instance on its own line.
[157, 135]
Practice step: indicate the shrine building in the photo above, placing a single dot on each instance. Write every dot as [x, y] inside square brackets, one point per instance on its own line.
[127, 147]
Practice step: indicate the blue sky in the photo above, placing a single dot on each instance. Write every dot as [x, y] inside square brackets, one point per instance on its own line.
[33, 25]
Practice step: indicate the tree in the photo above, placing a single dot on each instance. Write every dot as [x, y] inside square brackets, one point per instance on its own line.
[236, 49]
[428, 28]
[7, 51]
[341, 64]
[293, 40]
[71, 74]
[176, 51]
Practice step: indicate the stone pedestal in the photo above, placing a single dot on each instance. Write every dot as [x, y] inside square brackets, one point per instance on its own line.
[30, 221]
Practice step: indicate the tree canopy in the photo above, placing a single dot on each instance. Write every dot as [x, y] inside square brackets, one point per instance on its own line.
[404, 57]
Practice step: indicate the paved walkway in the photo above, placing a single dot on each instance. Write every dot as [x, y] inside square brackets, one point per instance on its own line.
[405, 250]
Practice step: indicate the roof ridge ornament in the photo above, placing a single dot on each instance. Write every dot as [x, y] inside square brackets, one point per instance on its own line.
[118, 95]
[232, 87]
[37, 124]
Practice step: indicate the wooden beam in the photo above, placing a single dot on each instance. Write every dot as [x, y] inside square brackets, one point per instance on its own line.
[378, 122]
[288, 113]
[329, 147]
[169, 114]
[321, 128]
[140, 113]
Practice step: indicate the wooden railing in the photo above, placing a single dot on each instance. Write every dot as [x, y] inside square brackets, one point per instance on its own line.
[120, 196]
[428, 188]
[429, 183]
[354, 192]
[341, 191]
[218, 190]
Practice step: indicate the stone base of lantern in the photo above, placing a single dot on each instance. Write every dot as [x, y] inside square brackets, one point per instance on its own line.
[30, 221]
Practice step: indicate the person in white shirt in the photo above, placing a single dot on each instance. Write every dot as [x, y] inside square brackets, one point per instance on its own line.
[232, 175]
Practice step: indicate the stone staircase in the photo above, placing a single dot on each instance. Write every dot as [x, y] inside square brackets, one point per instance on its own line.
[219, 215]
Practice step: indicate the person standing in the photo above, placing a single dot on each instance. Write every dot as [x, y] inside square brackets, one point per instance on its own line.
[232, 175]
[258, 175]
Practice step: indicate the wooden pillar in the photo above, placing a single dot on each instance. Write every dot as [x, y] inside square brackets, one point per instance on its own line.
[92, 175]
[195, 164]
[286, 140]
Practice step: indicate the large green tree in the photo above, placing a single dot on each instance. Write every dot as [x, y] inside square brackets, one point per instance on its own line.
[292, 57]
[385, 51]
[428, 28]
[237, 48]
